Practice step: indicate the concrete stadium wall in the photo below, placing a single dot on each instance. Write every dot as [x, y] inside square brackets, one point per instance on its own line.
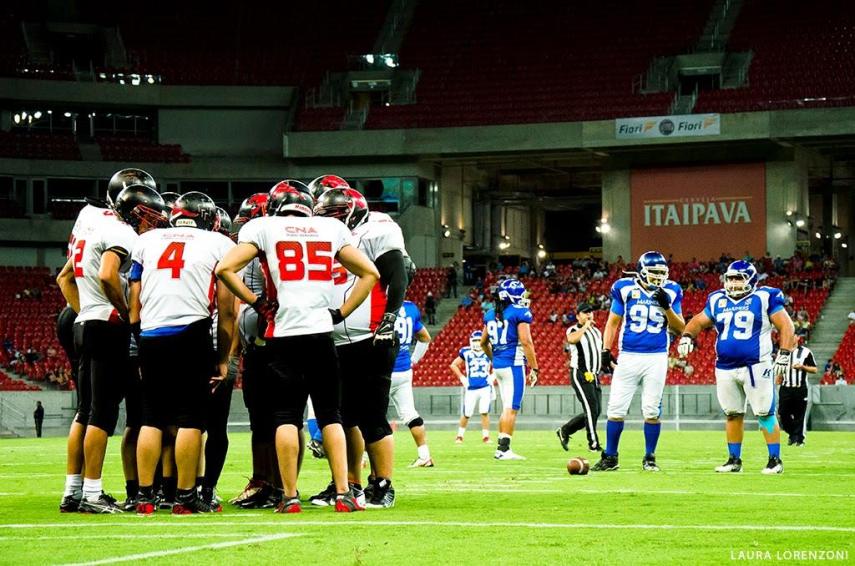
[832, 408]
[219, 131]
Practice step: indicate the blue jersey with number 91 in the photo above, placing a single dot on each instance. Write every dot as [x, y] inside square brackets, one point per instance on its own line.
[407, 325]
[507, 350]
[644, 329]
[743, 326]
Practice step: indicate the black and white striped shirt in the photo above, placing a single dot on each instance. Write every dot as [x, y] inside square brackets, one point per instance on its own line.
[798, 377]
[585, 354]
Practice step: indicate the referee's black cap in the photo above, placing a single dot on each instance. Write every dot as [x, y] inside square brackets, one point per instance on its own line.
[585, 307]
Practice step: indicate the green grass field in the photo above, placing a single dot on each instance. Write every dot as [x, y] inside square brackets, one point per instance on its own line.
[469, 509]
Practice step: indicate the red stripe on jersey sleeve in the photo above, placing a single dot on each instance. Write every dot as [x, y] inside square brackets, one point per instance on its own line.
[378, 305]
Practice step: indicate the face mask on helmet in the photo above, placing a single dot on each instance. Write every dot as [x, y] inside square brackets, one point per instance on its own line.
[475, 341]
[654, 276]
[514, 292]
[194, 210]
[125, 178]
[141, 207]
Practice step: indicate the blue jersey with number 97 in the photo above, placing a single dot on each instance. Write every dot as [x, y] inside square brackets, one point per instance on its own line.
[407, 325]
[644, 329]
[507, 350]
[743, 326]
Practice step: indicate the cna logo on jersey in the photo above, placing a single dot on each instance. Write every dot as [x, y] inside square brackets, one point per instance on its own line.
[694, 211]
[300, 231]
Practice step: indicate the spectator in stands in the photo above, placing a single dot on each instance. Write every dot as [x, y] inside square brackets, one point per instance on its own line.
[779, 265]
[840, 381]
[553, 316]
[451, 281]
[466, 301]
[38, 418]
[568, 318]
[51, 352]
[524, 269]
[430, 308]
[487, 303]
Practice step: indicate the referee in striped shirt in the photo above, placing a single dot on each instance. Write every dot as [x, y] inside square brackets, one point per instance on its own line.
[793, 403]
[585, 344]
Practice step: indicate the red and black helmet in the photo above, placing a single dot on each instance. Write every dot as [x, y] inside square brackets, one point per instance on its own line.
[326, 182]
[136, 204]
[348, 205]
[290, 197]
[124, 178]
[194, 210]
[223, 224]
[252, 207]
[169, 198]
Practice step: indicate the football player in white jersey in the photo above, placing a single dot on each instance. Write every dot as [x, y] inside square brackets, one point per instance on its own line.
[91, 215]
[173, 294]
[101, 252]
[367, 343]
[645, 308]
[297, 251]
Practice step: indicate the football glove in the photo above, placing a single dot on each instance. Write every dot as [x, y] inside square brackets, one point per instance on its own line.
[231, 374]
[265, 309]
[136, 330]
[532, 377]
[607, 361]
[385, 332]
[686, 345]
[662, 297]
[336, 315]
[782, 363]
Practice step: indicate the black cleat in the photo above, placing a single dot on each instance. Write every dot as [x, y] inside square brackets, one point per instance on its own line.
[324, 498]
[193, 505]
[105, 504]
[382, 495]
[649, 463]
[791, 441]
[563, 438]
[130, 504]
[606, 464]
[70, 504]
[317, 449]
[774, 466]
[251, 488]
[732, 466]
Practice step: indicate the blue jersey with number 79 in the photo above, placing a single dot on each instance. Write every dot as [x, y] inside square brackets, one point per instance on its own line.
[644, 329]
[743, 326]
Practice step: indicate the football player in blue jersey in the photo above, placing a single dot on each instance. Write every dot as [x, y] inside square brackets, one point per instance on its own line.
[507, 341]
[472, 368]
[645, 307]
[409, 327]
[744, 315]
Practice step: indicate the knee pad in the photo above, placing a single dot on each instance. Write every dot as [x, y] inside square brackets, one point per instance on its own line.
[376, 429]
[767, 422]
[418, 421]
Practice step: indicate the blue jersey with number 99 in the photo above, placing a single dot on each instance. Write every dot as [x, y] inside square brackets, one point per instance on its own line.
[644, 329]
[743, 326]
[507, 350]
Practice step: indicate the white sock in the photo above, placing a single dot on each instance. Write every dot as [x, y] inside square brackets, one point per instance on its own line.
[91, 489]
[485, 432]
[73, 484]
[504, 435]
[461, 431]
[424, 452]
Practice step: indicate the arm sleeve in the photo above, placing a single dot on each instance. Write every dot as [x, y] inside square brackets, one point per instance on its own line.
[617, 301]
[776, 301]
[136, 271]
[677, 303]
[393, 276]
[708, 308]
[417, 320]
[419, 351]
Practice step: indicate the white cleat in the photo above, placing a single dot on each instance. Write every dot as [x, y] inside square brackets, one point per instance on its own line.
[422, 463]
[732, 466]
[775, 466]
[507, 455]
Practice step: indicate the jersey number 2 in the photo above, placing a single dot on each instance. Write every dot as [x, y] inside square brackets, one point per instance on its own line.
[173, 258]
[293, 261]
[77, 257]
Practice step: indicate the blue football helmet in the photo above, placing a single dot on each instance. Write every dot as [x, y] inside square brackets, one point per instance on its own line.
[513, 291]
[475, 340]
[652, 269]
[740, 279]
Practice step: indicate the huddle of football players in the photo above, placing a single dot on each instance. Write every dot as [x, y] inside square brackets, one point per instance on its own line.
[315, 282]
[167, 298]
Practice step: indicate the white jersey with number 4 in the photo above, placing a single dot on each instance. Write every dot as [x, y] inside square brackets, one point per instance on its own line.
[297, 255]
[376, 236]
[96, 231]
[176, 270]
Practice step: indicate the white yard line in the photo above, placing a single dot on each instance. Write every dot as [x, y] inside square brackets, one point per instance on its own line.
[120, 536]
[186, 549]
[357, 523]
[499, 491]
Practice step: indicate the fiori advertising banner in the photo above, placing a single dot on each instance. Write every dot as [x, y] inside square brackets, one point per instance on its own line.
[668, 126]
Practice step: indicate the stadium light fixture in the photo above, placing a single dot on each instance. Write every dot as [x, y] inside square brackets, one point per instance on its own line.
[37, 114]
[844, 245]
[150, 80]
[23, 115]
[541, 254]
[67, 114]
[818, 236]
[838, 235]
[800, 223]
[17, 118]
[790, 213]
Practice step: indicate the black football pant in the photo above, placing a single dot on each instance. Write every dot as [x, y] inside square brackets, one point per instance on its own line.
[217, 424]
[591, 397]
[791, 411]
